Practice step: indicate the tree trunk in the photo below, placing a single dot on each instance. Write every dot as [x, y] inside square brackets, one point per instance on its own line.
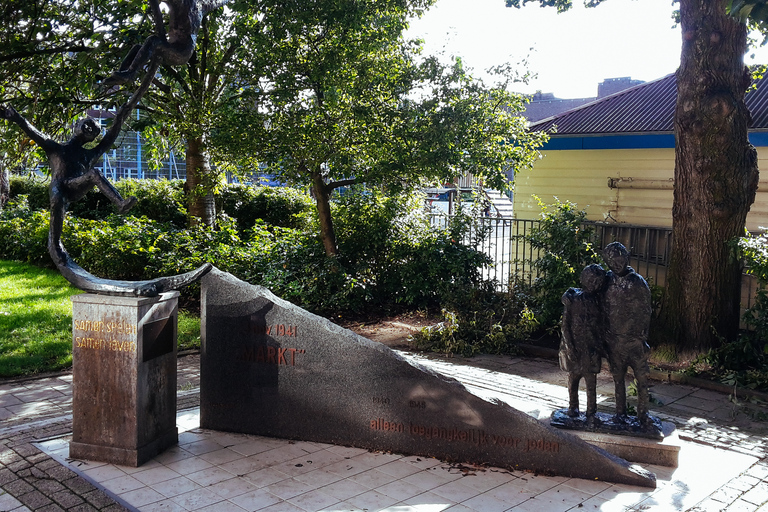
[323, 200]
[5, 186]
[199, 184]
[715, 178]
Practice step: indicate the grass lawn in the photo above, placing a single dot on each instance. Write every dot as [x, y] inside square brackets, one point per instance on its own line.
[36, 321]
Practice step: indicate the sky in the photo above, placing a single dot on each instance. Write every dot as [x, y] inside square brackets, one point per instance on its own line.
[570, 53]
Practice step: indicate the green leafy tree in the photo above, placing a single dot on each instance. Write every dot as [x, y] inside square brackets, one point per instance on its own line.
[51, 55]
[343, 99]
[716, 171]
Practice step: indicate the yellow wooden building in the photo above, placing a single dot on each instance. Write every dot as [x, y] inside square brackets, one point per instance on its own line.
[615, 158]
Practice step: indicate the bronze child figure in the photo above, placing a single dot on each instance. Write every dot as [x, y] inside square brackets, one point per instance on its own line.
[627, 306]
[171, 48]
[72, 170]
[581, 345]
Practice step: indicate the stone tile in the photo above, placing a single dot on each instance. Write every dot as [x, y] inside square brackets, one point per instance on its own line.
[256, 500]
[561, 497]
[596, 504]
[591, 487]
[243, 465]
[224, 506]
[122, 484]
[221, 456]
[456, 491]
[344, 489]
[400, 490]
[210, 476]
[741, 506]
[282, 507]
[318, 478]
[79, 485]
[347, 468]
[709, 505]
[427, 480]
[9, 399]
[18, 487]
[233, 487]
[288, 488]
[163, 506]
[758, 471]
[197, 499]
[743, 483]
[372, 478]
[49, 487]
[430, 501]
[188, 466]
[757, 495]
[105, 472]
[173, 454]
[265, 476]
[34, 500]
[8, 502]
[176, 486]
[142, 496]
[201, 447]
[371, 500]
[399, 468]
[37, 395]
[313, 501]
[486, 480]
[228, 439]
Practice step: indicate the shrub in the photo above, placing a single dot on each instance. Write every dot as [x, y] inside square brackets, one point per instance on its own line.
[391, 258]
[283, 206]
[35, 189]
[744, 361]
[565, 248]
[483, 320]
[24, 233]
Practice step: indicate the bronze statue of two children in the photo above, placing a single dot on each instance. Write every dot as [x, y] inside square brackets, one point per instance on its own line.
[609, 317]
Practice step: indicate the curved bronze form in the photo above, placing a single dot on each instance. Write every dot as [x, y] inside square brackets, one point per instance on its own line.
[72, 175]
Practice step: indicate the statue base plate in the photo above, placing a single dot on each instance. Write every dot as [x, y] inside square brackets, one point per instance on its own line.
[608, 424]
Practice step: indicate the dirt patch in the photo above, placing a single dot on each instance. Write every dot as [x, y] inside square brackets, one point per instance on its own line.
[391, 331]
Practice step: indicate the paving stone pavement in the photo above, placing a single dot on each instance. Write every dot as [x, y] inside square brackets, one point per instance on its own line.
[236, 472]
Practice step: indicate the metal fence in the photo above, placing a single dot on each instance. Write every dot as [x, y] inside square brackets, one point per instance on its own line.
[506, 243]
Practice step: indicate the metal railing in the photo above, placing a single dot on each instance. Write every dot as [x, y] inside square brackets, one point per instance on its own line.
[506, 243]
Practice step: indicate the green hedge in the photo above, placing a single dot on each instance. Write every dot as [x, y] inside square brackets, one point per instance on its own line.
[390, 257]
[163, 201]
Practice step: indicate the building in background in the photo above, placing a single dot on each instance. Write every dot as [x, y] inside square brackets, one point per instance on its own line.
[544, 105]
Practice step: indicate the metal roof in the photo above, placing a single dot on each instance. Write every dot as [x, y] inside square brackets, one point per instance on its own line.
[645, 108]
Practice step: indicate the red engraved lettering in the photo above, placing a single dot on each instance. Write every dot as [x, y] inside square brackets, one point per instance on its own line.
[281, 330]
[290, 331]
[271, 355]
[281, 356]
[293, 356]
[268, 330]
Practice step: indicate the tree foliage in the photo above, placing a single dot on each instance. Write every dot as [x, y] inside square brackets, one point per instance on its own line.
[343, 99]
[52, 54]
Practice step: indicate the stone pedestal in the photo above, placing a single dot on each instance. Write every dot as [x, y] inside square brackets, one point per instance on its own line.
[124, 377]
[664, 452]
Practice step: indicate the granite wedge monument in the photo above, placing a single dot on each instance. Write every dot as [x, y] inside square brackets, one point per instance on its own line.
[271, 368]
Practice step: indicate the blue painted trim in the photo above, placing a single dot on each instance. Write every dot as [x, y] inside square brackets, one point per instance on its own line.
[656, 140]
[644, 141]
[758, 138]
